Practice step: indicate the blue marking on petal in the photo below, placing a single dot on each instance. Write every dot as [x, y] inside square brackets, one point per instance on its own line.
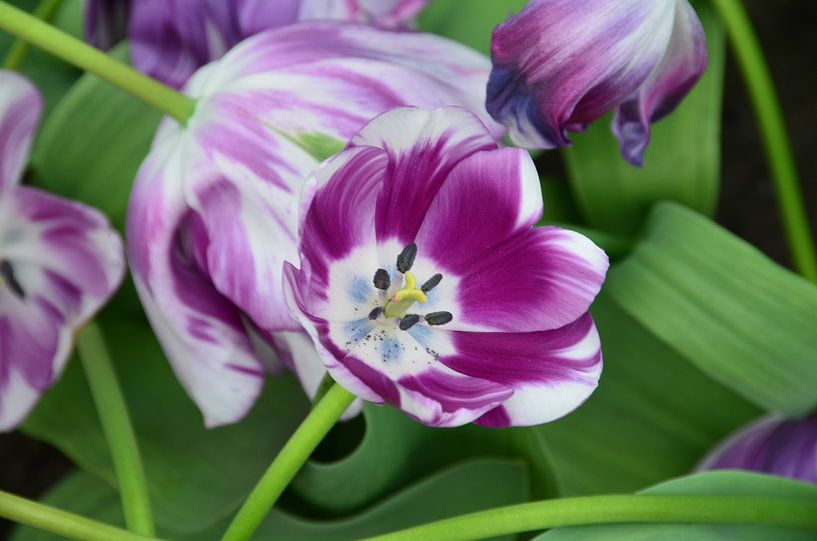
[421, 333]
[359, 290]
[391, 350]
[356, 330]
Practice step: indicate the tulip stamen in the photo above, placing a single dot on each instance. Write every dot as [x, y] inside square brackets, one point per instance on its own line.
[7, 276]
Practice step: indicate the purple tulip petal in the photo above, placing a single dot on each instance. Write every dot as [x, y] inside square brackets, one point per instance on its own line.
[561, 64]
[682, 66]
[773, 445]
[420, 144]
[551, 372]
[385, 13]
[20, 108]
[105, 22]
[61, 261]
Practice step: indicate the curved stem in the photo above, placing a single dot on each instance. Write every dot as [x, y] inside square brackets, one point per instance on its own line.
[289, 461]
[116, 424]
[761, 90]
[29, 28]
[45, 11]
[59, 522]
[588, 510]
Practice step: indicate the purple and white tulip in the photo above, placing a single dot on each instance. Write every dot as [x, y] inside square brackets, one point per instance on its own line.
[424, 284]
[561, 64]
[59, 262]
[170, 39]
[214, 212]
[773, 445]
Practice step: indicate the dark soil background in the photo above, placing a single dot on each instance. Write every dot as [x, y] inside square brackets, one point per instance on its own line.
[747, 206]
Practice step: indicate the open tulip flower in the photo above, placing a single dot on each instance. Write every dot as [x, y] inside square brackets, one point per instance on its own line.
[774, 445]
[59, 262]
[170, 39]
[214, 211]
[424, 284]
[638, 58]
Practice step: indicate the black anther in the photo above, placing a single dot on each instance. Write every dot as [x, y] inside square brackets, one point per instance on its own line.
[438, 318]
[408, 321]
[376, 313]
[431, 283]
[406, 258]
[7, 273]
[382, 280]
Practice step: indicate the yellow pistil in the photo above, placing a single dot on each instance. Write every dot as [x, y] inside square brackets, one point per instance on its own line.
[399, 304]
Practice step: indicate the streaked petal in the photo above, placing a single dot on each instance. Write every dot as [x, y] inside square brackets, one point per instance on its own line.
[20, 108]
[387, 13]
[550, 372]
[201, 331]
[421, 145]
[683, 64]
[773, 445]
[62, 261]
[560, 64]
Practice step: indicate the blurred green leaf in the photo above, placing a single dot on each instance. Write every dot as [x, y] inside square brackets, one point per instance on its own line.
[469, 22]
[91, 146]
[464, 488]
[196, 476]
[653, 416]
[682, 162]
[715, 483]
[719, 302]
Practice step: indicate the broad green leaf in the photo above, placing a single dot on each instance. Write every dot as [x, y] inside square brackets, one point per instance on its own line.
[715, 483]
[682, 162]
[743, 320]
[92, 144]
[463, 488]
[396, 450]
[653, 416]
[196, 476]
[469, 22]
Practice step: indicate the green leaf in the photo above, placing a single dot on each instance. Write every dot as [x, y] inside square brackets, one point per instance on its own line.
[682, 162]
[743, 320]
[469, 23]
[464, 488]
[396, 450]
[318, 145]
[196, 476]
[715, 483]
[653, 416]
[91, 146]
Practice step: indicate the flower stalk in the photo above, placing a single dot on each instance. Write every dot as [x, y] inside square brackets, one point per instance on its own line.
[45, 11]
[769, 115]
[59, 522]
[29, 28]
[116, 424]
[289, 461]
[588, 510]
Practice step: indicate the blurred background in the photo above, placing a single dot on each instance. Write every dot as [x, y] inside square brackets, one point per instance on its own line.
[747, 207]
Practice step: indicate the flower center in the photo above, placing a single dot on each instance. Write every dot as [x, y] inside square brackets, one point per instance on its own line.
[7, 277]
[398, 304]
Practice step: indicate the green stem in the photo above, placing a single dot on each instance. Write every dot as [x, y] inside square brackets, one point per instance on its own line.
[116, 424]
[59, 522]
[288, 462]
[45, 11]
[761, 90]
[29, 28]
[588, 510]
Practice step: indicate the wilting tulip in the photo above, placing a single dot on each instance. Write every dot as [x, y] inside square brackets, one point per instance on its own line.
[214, 212]
[774, 445]
[59, 262]
[170, 39]
[418, 294]
[561, 64]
